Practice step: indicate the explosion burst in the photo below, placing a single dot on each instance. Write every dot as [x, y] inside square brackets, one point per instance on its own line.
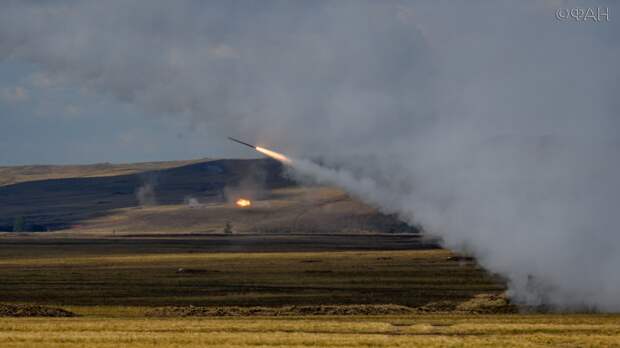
[243, 203]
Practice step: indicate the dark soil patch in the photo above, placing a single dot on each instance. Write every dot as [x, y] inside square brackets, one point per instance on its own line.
[195, 271]
[11, 310]
[318, 272]
[192, 311]
[460, 258]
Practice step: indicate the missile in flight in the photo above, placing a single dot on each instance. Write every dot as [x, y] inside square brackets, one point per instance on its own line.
[241, 142]
[269, 153]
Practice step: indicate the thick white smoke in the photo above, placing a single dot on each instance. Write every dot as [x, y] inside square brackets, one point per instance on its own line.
[493, 125]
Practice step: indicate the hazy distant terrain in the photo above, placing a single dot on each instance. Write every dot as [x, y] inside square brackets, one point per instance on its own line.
[177, 197]
[16, 174]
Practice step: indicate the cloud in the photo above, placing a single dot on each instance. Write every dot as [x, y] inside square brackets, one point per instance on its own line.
[41, 80]
[16, 94]
[224, 51]
[71, 110]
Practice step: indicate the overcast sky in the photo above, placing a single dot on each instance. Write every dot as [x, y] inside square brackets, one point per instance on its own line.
[45, 121]
[117, 81]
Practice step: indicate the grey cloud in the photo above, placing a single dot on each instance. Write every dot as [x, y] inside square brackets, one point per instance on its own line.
[14, 95]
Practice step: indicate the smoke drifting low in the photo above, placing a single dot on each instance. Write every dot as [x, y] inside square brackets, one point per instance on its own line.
[494, 126]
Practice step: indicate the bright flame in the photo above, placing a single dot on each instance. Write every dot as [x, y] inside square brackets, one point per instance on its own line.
[275, 155]
[242, 202]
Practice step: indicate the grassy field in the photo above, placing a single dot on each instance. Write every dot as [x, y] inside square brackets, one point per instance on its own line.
[392, 331]
[116, 292]
[304, 267]
[76, 274]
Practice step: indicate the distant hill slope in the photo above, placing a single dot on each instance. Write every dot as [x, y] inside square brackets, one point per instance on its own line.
[179, 197]
[16, 174]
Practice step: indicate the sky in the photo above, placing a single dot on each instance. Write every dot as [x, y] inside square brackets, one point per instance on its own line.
[44, 120]
[494, 124]
[103, 110]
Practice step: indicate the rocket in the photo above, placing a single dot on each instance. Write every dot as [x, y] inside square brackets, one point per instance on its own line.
[269, 153]
[241, 142]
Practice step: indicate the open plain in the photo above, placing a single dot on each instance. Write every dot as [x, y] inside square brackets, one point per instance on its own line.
[304, 267]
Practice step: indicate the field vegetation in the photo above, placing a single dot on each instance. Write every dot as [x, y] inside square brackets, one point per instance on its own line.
[430, 330]
[304, 267]
[412, 278]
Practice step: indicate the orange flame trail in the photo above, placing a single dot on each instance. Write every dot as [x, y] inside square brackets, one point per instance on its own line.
[275, 155]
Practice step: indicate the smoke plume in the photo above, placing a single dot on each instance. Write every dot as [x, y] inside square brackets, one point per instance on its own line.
[146, 195]
[494, 125]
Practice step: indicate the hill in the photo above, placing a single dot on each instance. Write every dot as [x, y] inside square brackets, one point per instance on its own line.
[15, 174]
[178, 197]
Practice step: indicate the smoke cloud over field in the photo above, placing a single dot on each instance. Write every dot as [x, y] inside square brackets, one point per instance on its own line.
[495, 126]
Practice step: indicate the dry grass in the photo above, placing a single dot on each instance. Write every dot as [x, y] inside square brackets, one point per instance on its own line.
[390, 331]
[298, 209]
[114, 293]
[410, 278]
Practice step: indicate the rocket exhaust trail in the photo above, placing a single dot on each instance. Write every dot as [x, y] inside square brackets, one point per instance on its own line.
[275, 155]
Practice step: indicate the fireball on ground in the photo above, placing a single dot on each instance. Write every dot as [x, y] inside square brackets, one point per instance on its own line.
[243, 203]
